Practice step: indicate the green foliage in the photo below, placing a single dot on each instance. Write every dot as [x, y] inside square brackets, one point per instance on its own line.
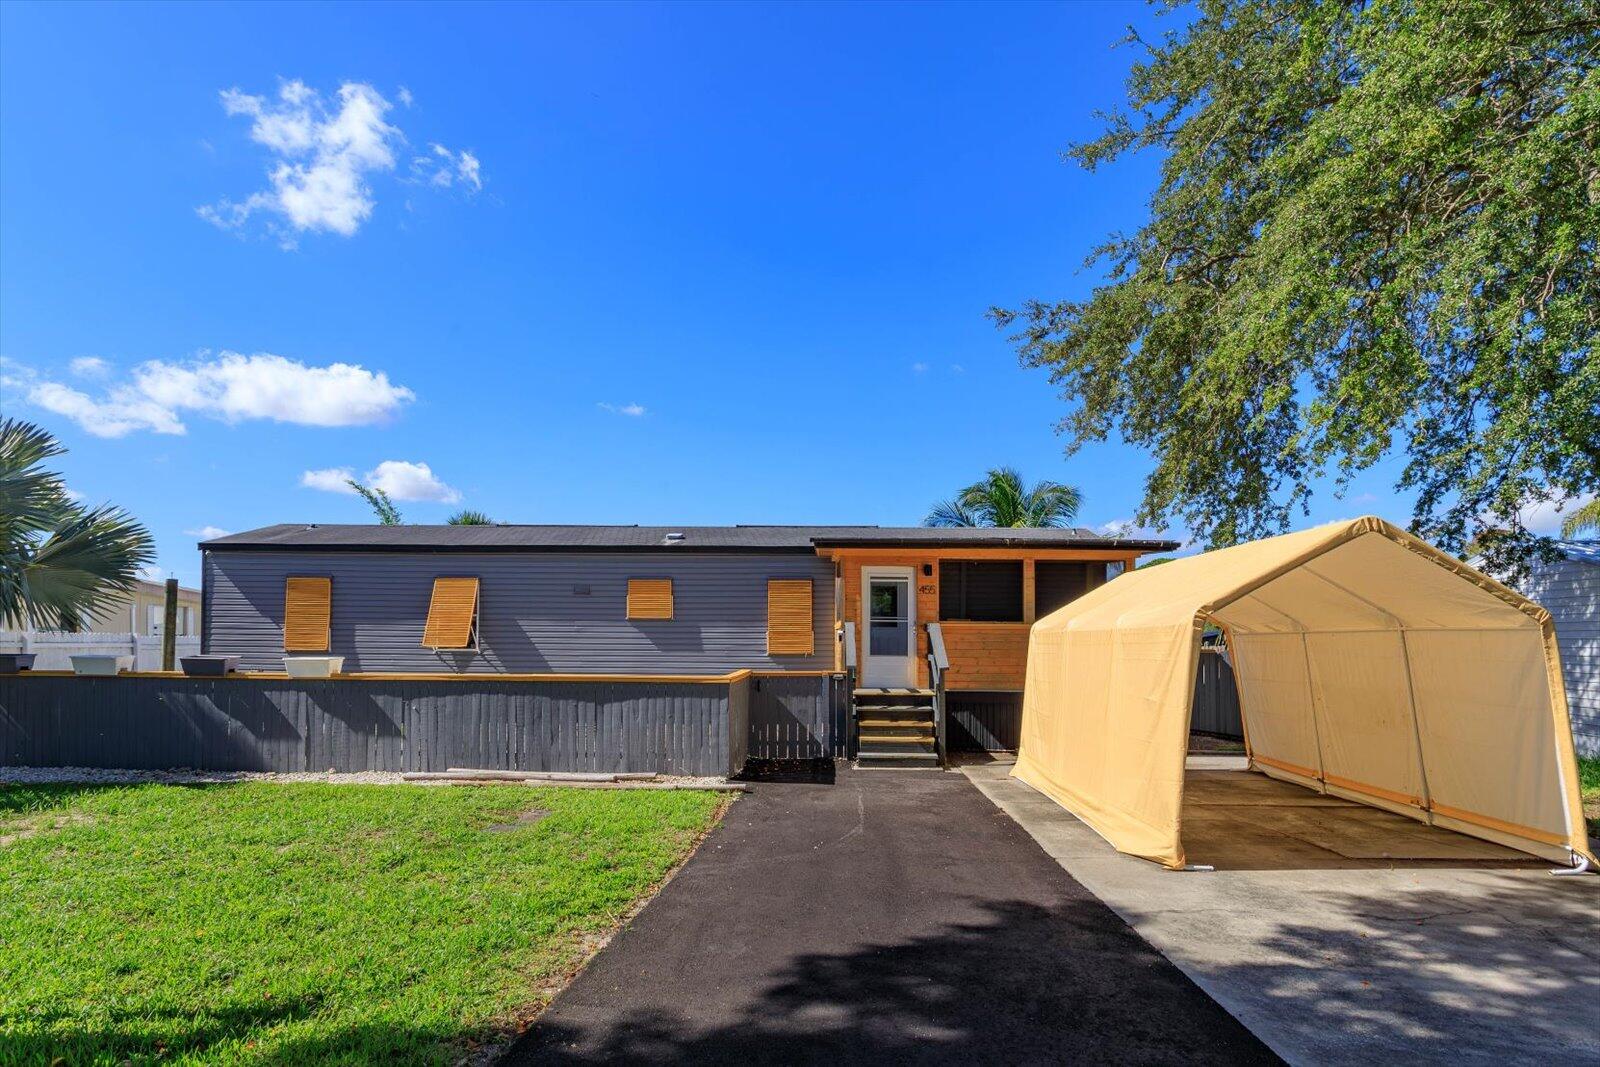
[382, 506]
[1582, 520]
[1001, 499]
[60, 563]
[1375, 229]
[468, 517]
[309, 923]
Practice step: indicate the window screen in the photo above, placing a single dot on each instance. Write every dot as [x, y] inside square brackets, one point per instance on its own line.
[1055, 584]
[980, 590]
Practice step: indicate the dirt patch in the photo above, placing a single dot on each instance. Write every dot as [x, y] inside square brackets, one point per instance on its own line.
[527, 818]
[35, 825]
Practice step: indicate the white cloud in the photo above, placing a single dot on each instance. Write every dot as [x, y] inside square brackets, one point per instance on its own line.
[72, 494]
[329, 480]
[410, 481]
[1545, 516]
[234, 387]
[1116, 528]
[152, 573]
[230, 387]
[120, 412]
[633, 409]
[445, 168]
[404, 96]
[90, 367]
[919, 368]
[956, 368]
[207, 533]
[399, 478]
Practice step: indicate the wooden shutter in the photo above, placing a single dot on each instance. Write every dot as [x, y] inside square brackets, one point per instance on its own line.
[649, 598]
[451, 613]
[307, 614]
[789, 628]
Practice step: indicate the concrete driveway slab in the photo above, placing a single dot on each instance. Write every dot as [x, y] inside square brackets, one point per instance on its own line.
[890, 917]
[1338, 960]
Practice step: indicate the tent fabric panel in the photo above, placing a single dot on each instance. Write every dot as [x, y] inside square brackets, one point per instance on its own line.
[1416, 589]
[1365, 727]
[1484, 714]
[1315, 603]
[1275, 694]
[1121, 774]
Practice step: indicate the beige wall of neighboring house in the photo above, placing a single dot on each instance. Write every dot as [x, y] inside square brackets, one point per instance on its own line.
[142, 612]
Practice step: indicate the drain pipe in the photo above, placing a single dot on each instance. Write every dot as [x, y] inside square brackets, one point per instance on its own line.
[1580, 864]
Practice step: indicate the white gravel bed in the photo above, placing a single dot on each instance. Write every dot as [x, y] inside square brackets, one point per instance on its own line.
[102, 776]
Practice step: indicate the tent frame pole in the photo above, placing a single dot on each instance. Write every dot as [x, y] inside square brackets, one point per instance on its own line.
[1311, 702]
[1416, 729]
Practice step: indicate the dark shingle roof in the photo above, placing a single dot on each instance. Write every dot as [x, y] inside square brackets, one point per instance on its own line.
[637, 538]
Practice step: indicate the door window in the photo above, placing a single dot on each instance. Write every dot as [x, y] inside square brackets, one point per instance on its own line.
[889, 618]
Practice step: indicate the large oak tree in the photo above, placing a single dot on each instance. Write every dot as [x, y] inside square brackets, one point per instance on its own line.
[1375, 230]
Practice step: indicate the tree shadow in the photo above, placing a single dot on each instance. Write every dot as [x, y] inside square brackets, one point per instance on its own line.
[1505, 971]
[1024, 983]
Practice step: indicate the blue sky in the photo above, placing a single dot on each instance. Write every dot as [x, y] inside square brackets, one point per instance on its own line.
[582, 263]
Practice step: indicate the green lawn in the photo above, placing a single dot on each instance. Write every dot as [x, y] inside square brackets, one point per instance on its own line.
[1589, 782]
[277, 923]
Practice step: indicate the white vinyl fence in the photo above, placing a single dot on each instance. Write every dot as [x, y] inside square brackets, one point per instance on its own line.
[55, 650]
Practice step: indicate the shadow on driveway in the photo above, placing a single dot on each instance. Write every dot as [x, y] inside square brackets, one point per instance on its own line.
[894, 917]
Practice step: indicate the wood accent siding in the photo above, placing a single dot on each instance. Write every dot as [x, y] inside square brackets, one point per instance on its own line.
[307, 614]
[789, 614]
[650, 598]
[451, 613]
[986, 655]
[538, 612]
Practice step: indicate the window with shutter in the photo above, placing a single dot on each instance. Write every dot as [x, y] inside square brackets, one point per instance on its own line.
[307, 614]
[649, 598]
[452, 614]
[789, 621]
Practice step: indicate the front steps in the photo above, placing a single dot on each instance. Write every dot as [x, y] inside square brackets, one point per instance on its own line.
[895, 728]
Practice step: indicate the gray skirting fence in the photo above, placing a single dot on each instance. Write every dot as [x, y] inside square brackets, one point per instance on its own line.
[361, 724]
[1216, 697]
[799, 717]
[249, 724]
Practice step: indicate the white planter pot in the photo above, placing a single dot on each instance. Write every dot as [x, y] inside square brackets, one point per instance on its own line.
[100, 666]
[313, 666]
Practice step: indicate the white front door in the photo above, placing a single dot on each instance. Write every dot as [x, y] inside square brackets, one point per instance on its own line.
[889, 646]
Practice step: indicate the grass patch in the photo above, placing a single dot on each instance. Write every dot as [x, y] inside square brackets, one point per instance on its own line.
[276, 923]
[1589, 785]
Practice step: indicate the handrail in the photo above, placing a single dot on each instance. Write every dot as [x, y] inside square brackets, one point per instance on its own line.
[938, 664]
[847, 634]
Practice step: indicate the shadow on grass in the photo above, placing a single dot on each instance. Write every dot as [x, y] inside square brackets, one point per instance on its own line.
[119, 1036]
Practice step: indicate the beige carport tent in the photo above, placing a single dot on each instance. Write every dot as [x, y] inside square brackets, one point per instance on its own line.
[1370, 666]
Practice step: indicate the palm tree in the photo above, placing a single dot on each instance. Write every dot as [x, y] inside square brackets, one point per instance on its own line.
[468, 517]
[382, 506]
[1001, 499]
[1583, 520]
[60, 563]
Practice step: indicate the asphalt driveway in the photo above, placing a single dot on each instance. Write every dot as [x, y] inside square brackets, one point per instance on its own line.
[888, 917]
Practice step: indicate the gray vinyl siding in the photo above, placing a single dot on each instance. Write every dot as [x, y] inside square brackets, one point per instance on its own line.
[531, 619]
[1570, 590]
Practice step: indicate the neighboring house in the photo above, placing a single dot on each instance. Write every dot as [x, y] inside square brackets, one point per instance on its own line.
[141, 612]
[634, 600]
[1569, 588]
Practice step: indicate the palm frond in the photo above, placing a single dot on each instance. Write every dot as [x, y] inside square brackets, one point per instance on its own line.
[949, 514]
[1583, 520]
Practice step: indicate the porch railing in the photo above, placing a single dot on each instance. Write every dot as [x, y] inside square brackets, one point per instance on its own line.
[938, 664]
[847, 639]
